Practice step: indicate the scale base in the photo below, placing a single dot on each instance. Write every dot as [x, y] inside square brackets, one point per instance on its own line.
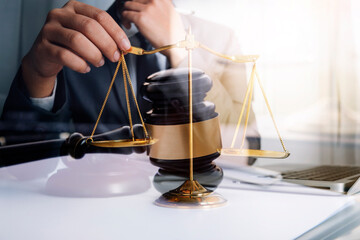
[190, 194]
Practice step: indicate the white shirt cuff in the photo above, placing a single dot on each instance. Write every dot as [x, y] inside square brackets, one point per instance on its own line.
[46, 103]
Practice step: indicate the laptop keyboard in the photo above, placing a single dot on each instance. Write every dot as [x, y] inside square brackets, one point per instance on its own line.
[323, 173]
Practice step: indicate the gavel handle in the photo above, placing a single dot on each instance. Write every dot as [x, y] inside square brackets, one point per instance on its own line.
[75, 145]
[29, 152]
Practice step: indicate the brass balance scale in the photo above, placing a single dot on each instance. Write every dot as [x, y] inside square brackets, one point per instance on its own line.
[191, 193]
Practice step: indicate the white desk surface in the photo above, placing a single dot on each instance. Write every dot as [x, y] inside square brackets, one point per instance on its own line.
[27, 211]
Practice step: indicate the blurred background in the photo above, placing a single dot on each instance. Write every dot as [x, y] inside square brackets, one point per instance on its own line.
[309, 66]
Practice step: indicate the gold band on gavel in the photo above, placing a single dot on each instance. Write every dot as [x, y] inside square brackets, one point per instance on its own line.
[173, 140]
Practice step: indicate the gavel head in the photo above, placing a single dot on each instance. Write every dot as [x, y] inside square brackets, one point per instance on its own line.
[168, 121]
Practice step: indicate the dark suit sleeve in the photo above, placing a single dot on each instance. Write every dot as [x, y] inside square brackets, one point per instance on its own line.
[20, 117]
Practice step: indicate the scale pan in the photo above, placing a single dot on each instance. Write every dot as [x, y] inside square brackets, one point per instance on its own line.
[253, 153]
[143, 142]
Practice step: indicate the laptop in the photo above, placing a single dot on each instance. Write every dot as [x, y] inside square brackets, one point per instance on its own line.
[343, 179]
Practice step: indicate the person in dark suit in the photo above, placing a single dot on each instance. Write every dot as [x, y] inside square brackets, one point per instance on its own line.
[66, 73]
[64, 78]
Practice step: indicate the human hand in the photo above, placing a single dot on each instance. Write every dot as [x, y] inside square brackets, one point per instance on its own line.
[73, 35]
[158, 22]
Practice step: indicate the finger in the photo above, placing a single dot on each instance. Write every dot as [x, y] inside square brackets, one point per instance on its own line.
[132, 16]
[94, 32]
[134, 6]
[65, 57]
[76, 42]
[142, 1]
[106, 21]
[61, 56]
[90, 28]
